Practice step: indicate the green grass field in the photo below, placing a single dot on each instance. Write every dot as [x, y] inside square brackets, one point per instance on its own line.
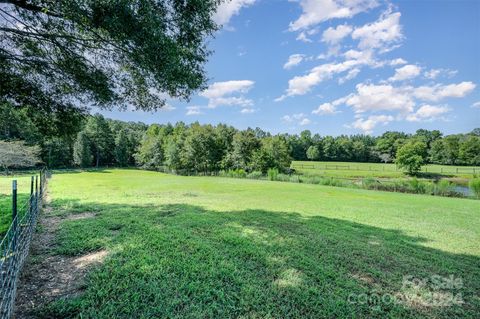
[23, 191]
[209, 247]
[380, 170]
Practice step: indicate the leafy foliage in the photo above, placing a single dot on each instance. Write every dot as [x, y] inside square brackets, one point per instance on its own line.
[411, 156]
[82, 155]
[106, 52]
[17, 154]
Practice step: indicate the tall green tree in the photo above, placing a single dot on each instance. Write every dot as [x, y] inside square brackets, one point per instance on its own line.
[313, 153]
[82, 153]
[411, 156]
[121, 148]
[469, 152]
[243, 145]
[101, 139]
[107, 52]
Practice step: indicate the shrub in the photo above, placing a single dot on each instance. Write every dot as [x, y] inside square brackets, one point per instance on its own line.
[234, 173]
[369, 183]
[475, 186]
[282, 178]
[272, 174]
[294, 179]
[417, 186]
[443, 187]
[411, 156]
[255, 175]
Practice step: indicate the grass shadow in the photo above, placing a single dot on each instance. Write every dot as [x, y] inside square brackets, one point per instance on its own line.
[183, 261]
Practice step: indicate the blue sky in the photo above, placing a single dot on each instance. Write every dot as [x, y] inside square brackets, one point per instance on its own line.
[339, 67]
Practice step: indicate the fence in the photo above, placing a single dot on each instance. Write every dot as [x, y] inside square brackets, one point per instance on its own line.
[16, 242]
[385, 168]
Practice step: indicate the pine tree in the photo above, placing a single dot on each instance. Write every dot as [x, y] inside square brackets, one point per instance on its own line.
[82, 154]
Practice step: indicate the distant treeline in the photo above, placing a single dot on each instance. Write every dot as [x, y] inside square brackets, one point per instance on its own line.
[96, 141]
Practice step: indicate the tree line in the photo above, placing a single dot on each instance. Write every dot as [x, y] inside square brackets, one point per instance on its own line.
[97, 141]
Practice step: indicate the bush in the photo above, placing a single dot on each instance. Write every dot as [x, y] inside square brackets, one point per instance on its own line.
[294, 179]
[309, 179]
[416, 186]
[272, 174]
[255, 175]
[234, 173]
[443, 187]
[282, 178]
[369, 183]
[475, 186]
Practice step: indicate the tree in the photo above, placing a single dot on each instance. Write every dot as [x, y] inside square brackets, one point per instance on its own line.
[110, 53]
[199, 149]
[389, 142]
[17, 154]
[451, 149]
[57, 152]
[313, 153]
[101, 139]
[329, 148]
[272, 154]
[386, 158]
[82, 154]
[243, 145]
[411, 156]
[121, 148]
[469, 152]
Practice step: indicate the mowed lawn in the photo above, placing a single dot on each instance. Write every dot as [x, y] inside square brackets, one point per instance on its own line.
[389, 170]
[208, 247]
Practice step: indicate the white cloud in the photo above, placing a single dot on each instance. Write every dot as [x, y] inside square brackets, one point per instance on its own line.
[247, 111]
[193, 110]
[398, 61]
[381, 34]
[476, 104]
[367, 125]
[335, 35]
[350, 75]
[406, 72]
[305, 121]
[434, 73]
[385, 97]
[317, 11]
[227, 9]
[427, 113]
[293, 60]
[229, 101]
[168, 107]
[325, 109]
[300, 85]
[439, 92]
[220, 93]
[219, 89]
[299, 118]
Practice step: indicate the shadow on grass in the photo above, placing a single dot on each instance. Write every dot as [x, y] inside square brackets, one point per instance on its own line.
[182, 261]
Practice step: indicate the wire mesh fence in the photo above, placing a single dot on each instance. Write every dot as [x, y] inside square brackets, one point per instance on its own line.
[16, 242]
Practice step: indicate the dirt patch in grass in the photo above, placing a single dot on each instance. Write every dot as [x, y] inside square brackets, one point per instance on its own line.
[47, 277]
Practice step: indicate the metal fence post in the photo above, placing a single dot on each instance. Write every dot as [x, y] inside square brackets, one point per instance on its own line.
[41, 184]
[31, 196]
[14, 215]
[36, 193]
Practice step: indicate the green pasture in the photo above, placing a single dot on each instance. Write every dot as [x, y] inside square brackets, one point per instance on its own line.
[210, 247]
[380, 170]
